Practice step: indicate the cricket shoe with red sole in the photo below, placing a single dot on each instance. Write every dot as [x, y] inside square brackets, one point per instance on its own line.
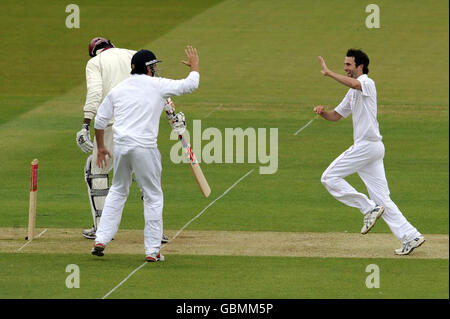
[154, 257]
[98, 249]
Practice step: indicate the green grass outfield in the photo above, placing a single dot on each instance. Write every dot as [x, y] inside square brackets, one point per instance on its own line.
[185, 277]
[258, 62]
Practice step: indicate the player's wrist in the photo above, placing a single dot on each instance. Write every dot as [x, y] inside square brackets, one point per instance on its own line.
[194, 68]
[86, 123]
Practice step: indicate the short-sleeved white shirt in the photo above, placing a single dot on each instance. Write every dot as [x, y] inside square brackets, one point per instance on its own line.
[363, 106]
[136, 105]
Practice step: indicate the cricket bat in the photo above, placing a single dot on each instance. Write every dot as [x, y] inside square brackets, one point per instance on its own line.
[193, 162]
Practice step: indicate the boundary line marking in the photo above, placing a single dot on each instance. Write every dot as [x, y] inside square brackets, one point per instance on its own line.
[180, 231]
[42, 232]
[306, 125]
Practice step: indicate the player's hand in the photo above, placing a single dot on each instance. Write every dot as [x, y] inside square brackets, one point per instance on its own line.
[319, 110]
[178, 123]
[101, 157]
[325, 70]
[169, 106]
[84, 139]
[192, 58]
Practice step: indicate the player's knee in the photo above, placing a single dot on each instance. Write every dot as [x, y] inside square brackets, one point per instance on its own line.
[119, 192]
[330, 182]
[153, 201]
[325, 179]
[152, 195]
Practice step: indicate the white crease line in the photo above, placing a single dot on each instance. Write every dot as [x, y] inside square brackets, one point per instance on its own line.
[123, 281]
[42, 232]
[180, 231]
[212, 111]
[305, 126]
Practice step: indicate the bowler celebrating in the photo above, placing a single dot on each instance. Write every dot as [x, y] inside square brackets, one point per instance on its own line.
[365, 156]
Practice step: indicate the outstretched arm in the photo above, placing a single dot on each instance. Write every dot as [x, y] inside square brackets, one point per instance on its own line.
[347, 81]
[170, 88]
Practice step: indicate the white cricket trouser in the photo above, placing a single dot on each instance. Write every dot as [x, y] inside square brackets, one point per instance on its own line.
[146, 165]
[366, 159]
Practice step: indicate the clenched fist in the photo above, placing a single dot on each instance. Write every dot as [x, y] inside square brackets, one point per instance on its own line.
[319, 109]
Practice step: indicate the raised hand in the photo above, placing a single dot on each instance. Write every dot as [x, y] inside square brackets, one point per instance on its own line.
[325, 69]
[192, 58]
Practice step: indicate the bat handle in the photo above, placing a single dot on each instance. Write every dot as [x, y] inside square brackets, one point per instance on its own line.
[170, 113]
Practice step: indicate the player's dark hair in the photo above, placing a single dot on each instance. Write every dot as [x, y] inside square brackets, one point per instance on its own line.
[360, 58]
[144, 71]
[139, 71]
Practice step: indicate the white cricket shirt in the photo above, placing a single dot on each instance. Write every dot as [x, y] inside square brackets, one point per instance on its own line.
[363, 107]
[103, 72]
[136, 105]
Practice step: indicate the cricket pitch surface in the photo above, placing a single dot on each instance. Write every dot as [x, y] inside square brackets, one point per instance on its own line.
[229, 243]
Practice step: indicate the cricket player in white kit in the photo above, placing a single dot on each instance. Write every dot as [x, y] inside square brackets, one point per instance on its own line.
[136, 105]
[107, 67]
[365, 156]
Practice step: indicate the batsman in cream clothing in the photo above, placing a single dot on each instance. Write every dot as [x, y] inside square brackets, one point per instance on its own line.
[136, 105]
[107, 67]
[365, 156]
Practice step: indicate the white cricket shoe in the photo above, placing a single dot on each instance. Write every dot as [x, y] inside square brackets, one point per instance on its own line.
[371, 218]
[89, 233]
[408, 246]
[154, 257]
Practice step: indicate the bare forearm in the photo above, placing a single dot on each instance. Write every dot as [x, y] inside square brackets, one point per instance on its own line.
[99, 136]
[347, 81]
[102, 152]
[331, 115]
[327, 115]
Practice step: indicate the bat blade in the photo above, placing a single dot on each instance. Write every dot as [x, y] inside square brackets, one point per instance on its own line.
[193, 162]
[200, 179]
[195, 167]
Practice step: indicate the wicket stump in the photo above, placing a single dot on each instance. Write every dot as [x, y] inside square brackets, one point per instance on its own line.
[33, 199]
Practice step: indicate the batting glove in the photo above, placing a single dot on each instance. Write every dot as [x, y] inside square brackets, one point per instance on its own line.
[179, 123]
[84, 139]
